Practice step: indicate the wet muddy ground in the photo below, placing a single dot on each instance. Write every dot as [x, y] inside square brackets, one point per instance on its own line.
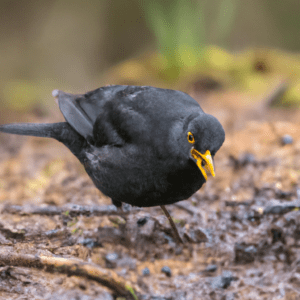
[61, 238]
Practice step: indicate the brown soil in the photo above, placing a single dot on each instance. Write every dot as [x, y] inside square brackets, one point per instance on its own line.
[241, 230]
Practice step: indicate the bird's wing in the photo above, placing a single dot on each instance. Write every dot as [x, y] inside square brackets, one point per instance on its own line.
[81, 111]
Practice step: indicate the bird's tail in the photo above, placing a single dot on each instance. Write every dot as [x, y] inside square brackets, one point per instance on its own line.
[62, 132]
[32, 129]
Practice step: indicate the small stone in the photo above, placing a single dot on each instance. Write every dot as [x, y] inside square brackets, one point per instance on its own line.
[111, 260]
[148, 228]
[111, 256]
[126, 207]
[211, 268]
[277, 235]
[167, 271]
[286, 140]
[223, 281]
[89, 243]
[244, 253]
[146, 272]
[142, 221]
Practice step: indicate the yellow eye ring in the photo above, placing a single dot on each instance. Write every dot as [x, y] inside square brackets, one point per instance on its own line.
[190, 138]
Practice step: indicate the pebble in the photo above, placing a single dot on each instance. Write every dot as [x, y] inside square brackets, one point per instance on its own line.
[286, 140]
[146, 272]
[167, 271]
[211, 268]
[244, 253]
[142, 221]
[89, 243]
[223, 281]
[111, 260]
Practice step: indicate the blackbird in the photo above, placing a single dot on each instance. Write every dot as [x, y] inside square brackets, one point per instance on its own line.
[140, 145]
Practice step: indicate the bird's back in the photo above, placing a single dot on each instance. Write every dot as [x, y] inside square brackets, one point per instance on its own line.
[127, 110]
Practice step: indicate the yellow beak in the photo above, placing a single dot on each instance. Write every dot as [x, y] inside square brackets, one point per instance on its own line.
[208, 162]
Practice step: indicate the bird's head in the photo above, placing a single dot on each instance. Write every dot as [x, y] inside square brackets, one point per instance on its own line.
[204, 136]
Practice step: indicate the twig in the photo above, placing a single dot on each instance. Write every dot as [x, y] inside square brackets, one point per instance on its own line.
[71, 209]
[71, 267]
[279, 209]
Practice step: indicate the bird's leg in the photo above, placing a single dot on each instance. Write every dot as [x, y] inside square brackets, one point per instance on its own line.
[118, 205]
[172, 224]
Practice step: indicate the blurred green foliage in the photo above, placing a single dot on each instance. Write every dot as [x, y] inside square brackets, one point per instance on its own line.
[179, 27]
[77, 46]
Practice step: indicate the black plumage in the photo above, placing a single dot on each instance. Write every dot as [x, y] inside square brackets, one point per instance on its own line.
[140, 145]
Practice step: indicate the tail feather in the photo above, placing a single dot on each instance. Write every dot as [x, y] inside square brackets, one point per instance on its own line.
[62, 132]
[32, 129]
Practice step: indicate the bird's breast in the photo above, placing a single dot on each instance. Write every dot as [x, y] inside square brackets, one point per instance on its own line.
[139, 177]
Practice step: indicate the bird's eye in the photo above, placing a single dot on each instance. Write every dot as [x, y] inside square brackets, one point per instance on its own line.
[190, 138]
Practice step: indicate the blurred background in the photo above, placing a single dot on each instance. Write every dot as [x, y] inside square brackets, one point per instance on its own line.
[234, 53]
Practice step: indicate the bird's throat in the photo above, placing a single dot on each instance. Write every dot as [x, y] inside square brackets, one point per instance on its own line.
[204, 162]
